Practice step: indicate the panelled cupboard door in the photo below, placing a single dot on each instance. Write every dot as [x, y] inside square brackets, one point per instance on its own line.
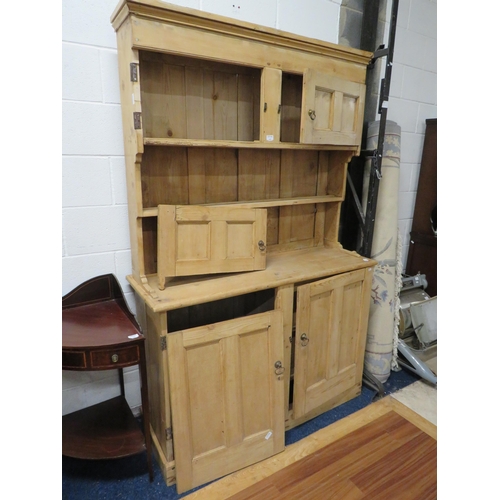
[330, 339]
[227, 392]
[332, 110]
[195, 240]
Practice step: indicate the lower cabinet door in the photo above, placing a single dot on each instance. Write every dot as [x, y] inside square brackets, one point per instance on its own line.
[330, 340]
[227, 394]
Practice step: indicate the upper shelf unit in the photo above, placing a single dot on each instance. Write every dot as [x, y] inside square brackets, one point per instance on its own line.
[192, 99]
[222, 112]
[259, 87]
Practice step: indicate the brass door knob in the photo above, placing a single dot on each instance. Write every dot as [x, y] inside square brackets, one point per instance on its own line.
[278, 368]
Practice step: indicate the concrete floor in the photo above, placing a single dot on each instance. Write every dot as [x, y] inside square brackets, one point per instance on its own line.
[421, 396]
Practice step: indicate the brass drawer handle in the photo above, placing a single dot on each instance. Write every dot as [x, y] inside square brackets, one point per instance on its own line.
[304, 340]
[262, 245]
[312, 114]
[114, 358]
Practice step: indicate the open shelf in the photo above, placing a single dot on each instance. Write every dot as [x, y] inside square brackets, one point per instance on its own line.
[279, 202]
[105, 430]
[159, 141]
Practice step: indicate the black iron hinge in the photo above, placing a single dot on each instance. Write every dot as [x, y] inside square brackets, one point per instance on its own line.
[163, 343]
[134, 73]
[137, 120]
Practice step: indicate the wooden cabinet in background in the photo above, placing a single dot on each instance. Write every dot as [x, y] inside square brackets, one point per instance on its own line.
[237, 139]
[422, 254]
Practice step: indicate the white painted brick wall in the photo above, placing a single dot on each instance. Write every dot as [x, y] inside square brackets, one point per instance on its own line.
[95, 233]
[413, 96]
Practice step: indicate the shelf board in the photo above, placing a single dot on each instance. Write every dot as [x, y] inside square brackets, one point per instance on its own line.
[159, 141]
[281, 269]
[105, 430]
[275, 202]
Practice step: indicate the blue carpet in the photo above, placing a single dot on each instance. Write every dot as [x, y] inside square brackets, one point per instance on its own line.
[128, 479]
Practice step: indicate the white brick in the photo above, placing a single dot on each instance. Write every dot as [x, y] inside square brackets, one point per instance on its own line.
[123, 266]
[90, 394]
[316, 18]
[96, 229]
[191, 4]
[415, 174]
[406, 205]
[132, 382]
[110, 76]
[119, 180]
[430, 59]
[404, 231]
[419, 85]
[73, 379]
[404, 113]
[89, 22]
[410, 48]
[405, 170]
[425, 111]
[91, 129]
[86, 181]
[423, 17]
[81, 73]
[403, 13]
[396, 81]
[76, 270]
[411, 147]
[261, 12]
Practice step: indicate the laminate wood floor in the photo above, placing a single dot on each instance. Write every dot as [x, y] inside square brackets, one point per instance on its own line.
[384, 451]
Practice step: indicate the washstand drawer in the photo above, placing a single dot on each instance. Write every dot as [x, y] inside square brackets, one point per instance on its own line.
[114, 358]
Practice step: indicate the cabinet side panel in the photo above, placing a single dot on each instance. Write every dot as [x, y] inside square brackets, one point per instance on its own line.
[158, 385]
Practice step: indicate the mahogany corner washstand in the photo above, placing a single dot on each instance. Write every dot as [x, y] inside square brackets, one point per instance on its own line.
[100, 333]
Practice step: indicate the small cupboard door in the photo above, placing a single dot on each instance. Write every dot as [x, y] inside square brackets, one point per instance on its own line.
[195, 240]
[227, 390]
[330, 339]
[332, 110]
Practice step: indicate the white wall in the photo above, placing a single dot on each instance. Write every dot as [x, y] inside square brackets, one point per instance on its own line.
[413, 96]
[95, 235]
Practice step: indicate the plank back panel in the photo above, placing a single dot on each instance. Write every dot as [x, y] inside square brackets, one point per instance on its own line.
[194, 99]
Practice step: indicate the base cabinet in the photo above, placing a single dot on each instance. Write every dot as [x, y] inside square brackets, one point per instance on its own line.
[231, 388]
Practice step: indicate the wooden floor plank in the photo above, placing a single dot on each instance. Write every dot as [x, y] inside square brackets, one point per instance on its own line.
[383, 451]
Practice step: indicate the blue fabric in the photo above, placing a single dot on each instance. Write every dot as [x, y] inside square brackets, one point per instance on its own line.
[128, 478]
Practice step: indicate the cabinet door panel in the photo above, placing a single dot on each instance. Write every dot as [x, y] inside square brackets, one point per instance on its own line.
[227, 397]
[332, 110]
[330, 339]
[195, 240]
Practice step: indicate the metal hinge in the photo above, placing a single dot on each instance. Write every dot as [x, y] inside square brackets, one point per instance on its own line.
[137, 120]
[134, 73]
[163, 343]
[168, 433]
